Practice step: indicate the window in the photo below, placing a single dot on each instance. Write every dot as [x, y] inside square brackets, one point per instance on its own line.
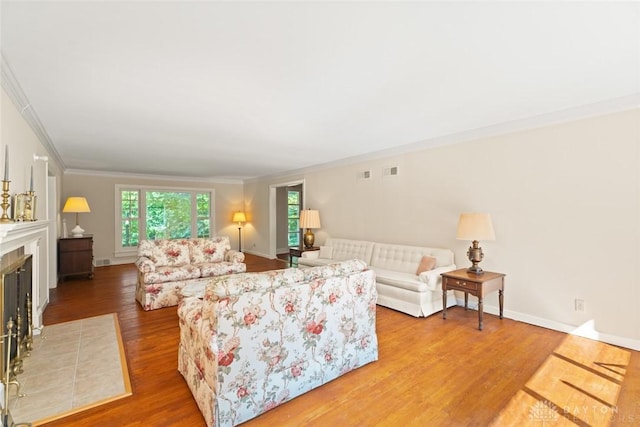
[293, 218]
[130, 218]
[155, 213]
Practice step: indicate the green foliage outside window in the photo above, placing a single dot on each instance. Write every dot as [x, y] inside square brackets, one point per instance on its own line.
[293, 218]
[130, 202]
[167, 215]
[203, 203]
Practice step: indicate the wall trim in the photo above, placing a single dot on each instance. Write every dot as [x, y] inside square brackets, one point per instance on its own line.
[11, 85]
[586, 330]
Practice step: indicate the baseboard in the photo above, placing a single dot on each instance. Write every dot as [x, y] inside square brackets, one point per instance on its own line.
[585, 330]
[260, 254]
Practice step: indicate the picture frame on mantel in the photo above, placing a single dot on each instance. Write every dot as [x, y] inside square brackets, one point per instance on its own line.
[24, 206]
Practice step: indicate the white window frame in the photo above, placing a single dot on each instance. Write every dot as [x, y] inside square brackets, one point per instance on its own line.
[121, 251]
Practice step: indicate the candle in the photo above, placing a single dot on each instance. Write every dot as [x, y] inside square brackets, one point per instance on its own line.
[6, 163]
[31, 186]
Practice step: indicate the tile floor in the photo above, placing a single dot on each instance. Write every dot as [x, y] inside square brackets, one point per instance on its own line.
[73, 366]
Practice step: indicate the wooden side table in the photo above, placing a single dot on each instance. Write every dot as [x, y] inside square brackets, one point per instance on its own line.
[297, 252]
[75, 256]
[474, 284]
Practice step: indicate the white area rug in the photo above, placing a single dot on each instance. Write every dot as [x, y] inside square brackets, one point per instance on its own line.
[73, 366]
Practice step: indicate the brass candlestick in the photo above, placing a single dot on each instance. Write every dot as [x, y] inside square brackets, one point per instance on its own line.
[5, 202]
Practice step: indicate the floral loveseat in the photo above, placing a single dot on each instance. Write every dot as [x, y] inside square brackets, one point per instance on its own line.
[257, 340]
[169, 270]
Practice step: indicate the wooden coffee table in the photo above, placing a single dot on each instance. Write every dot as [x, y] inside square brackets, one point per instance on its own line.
[474, 284]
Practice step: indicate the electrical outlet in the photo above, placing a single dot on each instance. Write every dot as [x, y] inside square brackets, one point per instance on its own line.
[579, 304]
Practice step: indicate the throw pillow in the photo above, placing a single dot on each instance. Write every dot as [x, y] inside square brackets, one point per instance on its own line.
[326, 252]
[426, 263]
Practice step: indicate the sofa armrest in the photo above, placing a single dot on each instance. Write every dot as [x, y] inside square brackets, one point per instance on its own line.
[145, 265]
[234, 256]
[431, 277]
[311, 254]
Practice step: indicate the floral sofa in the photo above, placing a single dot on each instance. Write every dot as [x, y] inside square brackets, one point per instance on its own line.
[257, 340]
[408, 276]
[171, 269]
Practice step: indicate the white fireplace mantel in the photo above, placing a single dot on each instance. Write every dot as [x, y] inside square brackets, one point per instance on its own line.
[33, 236]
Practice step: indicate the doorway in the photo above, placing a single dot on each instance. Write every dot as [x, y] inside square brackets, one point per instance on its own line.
[284, 214]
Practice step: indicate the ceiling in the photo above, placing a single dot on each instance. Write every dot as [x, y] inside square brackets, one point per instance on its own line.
[233, 90]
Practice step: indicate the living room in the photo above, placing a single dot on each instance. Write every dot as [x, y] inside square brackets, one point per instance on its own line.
[562, 187]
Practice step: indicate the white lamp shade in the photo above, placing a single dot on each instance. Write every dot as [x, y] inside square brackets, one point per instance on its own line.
[475, 226]
[310, 218]
[239, 217]
[76, 205]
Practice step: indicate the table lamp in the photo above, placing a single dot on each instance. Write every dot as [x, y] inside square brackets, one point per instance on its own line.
[76, 205]
[309, 219]
[474, 227]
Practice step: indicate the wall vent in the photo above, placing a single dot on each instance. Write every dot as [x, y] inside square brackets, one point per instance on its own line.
[364, 174]
[391, 171]
[100, 262]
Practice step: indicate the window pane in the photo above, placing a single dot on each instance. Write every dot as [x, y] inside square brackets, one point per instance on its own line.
[293, 211]
[168, 215]
[293, 198]
[203, 228]
[294, 225]
[130, 233]
[294, 239]
[203, 205]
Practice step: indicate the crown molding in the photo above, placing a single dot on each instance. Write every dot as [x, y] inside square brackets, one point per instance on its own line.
[111, 174]
[12, 87]
[602, 108]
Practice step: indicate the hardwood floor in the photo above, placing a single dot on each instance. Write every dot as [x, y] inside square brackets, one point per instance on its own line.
[430, 372]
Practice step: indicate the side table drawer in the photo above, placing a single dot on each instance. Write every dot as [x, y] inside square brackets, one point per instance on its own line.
[462, 284]
[79, 244]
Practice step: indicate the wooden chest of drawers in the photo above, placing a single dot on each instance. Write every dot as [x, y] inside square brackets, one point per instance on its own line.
[75, 256]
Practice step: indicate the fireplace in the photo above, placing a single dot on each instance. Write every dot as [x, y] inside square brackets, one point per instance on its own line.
[16, 313]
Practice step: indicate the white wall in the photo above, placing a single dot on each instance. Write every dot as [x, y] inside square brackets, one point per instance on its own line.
[565, 206]
[23, 143]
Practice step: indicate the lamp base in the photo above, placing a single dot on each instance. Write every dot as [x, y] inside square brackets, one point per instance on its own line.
[308, 239]
[475, 255]
[77, 231]
[475, 269]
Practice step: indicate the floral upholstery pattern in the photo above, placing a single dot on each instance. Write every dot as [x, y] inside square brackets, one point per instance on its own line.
[208, 250]
[167, 271]
[165, 253]
[257, 340]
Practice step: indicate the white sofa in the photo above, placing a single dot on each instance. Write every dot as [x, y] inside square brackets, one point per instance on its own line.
[398, 285]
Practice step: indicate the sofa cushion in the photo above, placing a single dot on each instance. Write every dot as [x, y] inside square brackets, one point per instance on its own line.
[208, 250]
[346, 249]
[402, 280]
[162, 253]
[336, 269]
[236, 284]
[313, 262]
[171, 274]
[326, 252]
[426, 263]
[210, 269]
[407, 258]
